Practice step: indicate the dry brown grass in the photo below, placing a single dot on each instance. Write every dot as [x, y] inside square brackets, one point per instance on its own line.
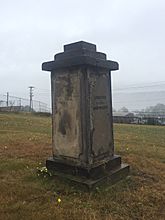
[25, 143]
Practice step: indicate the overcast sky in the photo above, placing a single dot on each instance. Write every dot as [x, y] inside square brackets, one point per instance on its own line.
[131, 32]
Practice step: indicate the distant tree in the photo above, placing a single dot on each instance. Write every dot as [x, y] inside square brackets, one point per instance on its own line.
[123, 109]
[157, 109]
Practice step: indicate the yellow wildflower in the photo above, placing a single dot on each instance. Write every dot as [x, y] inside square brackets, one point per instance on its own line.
[58, 200]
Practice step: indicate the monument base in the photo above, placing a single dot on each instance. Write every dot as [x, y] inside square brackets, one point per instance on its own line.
[111, 171]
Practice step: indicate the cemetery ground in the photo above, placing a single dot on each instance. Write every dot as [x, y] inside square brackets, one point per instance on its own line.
[25, 144]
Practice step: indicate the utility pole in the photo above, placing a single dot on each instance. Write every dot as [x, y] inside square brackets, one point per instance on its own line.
[7, 101]
[31, 97]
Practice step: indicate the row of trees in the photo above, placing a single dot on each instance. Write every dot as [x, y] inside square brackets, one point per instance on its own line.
[157, 110]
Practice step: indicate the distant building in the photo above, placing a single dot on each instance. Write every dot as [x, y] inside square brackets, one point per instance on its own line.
[123, 117]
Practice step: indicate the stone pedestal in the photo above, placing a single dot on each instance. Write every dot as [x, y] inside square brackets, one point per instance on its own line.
[82, 127]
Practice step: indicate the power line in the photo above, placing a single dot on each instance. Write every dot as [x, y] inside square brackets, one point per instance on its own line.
[138, 87]
[147, 101]
[44, 89]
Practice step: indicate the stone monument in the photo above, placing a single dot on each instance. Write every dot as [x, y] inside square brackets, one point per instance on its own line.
[82, 126]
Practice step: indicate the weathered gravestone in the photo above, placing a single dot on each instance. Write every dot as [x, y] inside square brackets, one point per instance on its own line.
[82, 127]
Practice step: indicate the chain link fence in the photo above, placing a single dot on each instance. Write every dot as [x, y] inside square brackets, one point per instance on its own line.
[17, 104]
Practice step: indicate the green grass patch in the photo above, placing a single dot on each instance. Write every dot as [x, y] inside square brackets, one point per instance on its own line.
[12, 165]
[25, 144]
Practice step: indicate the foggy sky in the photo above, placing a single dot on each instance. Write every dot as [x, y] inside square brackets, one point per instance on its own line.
[130, 32]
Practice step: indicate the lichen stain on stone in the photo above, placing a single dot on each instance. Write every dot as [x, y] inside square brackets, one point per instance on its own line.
[65, 123]
[99, 119]
[64, 86]
[66, 130]
[69, 87]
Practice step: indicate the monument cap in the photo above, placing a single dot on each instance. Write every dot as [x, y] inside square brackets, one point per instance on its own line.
[78, 54]
[80, 45]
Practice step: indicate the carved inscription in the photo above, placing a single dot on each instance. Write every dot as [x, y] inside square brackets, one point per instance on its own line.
[100, 102]
[100, 122]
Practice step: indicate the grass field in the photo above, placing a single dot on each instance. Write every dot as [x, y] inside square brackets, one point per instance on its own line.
[25, 143]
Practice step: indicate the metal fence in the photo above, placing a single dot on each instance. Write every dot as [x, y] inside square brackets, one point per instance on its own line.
[16, 104]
